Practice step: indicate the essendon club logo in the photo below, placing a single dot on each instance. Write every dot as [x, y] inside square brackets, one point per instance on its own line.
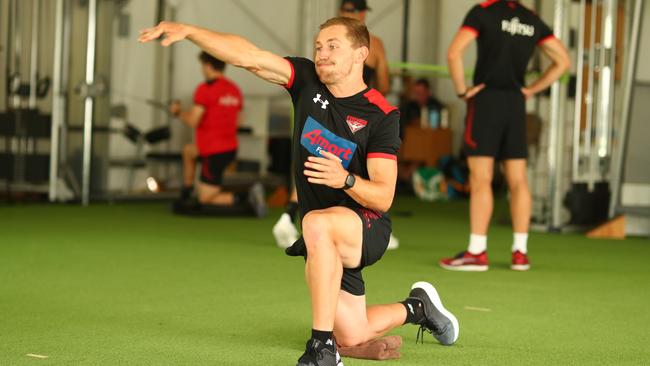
[315, 137]
[355, 123]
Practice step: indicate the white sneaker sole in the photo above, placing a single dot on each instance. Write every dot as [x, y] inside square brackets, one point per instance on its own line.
[435, 298]
[466, 268]
[339, 360]
[520, 267]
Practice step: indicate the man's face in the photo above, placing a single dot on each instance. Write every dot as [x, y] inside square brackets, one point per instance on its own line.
[334, 55]
[206, 70]
[421, 94]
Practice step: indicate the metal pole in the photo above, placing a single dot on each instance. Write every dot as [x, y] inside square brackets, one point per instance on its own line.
[33, 56]
[18, 49]
[605, 95]
[589, 98]
[561, 129]
[65, 79]
[10, 22]
[56, 101]
[405, 30]
[554, 148]
[618, 156]
[89, 101]
[577, 117]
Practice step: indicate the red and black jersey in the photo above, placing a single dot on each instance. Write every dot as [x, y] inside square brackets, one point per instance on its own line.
[354, 128]
[217, 131]
[507, 33]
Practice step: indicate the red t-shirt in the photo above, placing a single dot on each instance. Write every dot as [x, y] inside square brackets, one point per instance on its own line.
[217, 131]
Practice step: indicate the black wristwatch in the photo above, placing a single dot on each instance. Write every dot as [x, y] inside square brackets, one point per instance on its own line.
[463, 94]
[349, 182]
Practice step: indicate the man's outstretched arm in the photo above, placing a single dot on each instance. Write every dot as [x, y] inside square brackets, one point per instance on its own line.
[229, 48]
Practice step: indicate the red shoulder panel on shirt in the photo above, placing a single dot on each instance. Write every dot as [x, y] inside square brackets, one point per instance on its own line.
[377, 99]
[547, 38]
[293, 75]
[487, 3]
[471, 29]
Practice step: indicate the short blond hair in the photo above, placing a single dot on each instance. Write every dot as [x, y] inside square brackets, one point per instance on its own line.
[357, 32]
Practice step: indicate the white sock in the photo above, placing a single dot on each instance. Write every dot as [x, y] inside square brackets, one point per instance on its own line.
[477, 244]
[520, 242]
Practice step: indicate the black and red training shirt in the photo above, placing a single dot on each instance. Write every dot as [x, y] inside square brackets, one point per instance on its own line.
[353, 128]
[507, 33]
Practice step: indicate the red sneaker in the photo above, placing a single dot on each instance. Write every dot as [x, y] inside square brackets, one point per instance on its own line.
[466, 261]
[519, 261]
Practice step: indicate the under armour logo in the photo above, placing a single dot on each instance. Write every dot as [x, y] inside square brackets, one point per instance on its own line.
[323, 103]
[329, 342]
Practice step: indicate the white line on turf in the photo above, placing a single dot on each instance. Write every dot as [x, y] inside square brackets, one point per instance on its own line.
[473, 308]
[36, 356]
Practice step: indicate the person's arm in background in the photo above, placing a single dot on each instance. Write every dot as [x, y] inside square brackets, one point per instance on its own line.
[230, 48]
[191, 116]
[383, 74]
[455, 53]
[555, 50]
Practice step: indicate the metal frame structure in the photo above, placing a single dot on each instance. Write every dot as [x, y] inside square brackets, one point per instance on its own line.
[595, 143]
[556, 129]
[619, 153]
[89, 101]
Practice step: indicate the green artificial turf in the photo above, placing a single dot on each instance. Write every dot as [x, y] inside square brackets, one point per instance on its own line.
[131, 284]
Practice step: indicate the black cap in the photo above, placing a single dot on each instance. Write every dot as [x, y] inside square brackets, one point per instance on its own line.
[357, 5]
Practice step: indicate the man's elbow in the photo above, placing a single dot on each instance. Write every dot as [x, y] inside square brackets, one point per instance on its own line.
[193, 122]
[385, 204]
[453, 55]
[565, 63]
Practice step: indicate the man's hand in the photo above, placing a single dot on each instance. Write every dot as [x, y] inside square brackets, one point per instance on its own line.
[327, 171]
[175, 108]
[169, 31]
[471, 92]
[527, 92]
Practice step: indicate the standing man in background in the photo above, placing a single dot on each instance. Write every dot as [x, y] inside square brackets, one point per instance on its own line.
[507, 34]
[375, 74]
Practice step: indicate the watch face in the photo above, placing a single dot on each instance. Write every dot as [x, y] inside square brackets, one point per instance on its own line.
[349, 181]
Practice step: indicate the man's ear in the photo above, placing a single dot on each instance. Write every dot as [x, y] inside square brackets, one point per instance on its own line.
[362, 54]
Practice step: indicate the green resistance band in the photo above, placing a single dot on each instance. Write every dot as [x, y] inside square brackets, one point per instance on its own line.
[443, 72]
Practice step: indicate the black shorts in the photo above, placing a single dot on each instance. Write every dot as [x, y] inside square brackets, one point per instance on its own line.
[213, 166]
[496, 125]
[376, 234]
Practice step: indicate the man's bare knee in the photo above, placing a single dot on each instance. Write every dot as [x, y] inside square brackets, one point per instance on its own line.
[204, 199]
[518, 184]
[350, 341]
[479, 180]
[315, 226]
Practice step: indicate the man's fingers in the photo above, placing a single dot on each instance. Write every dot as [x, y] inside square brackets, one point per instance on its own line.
[317, 181]
[330, 156]
[320, 161]
[150, 34]
[313, 173]
[167, 41]
[317, 166]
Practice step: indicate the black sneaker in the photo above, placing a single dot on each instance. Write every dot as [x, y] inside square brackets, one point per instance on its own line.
[257, 200]
[437, 320]
[298, 249]
[317, 354]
